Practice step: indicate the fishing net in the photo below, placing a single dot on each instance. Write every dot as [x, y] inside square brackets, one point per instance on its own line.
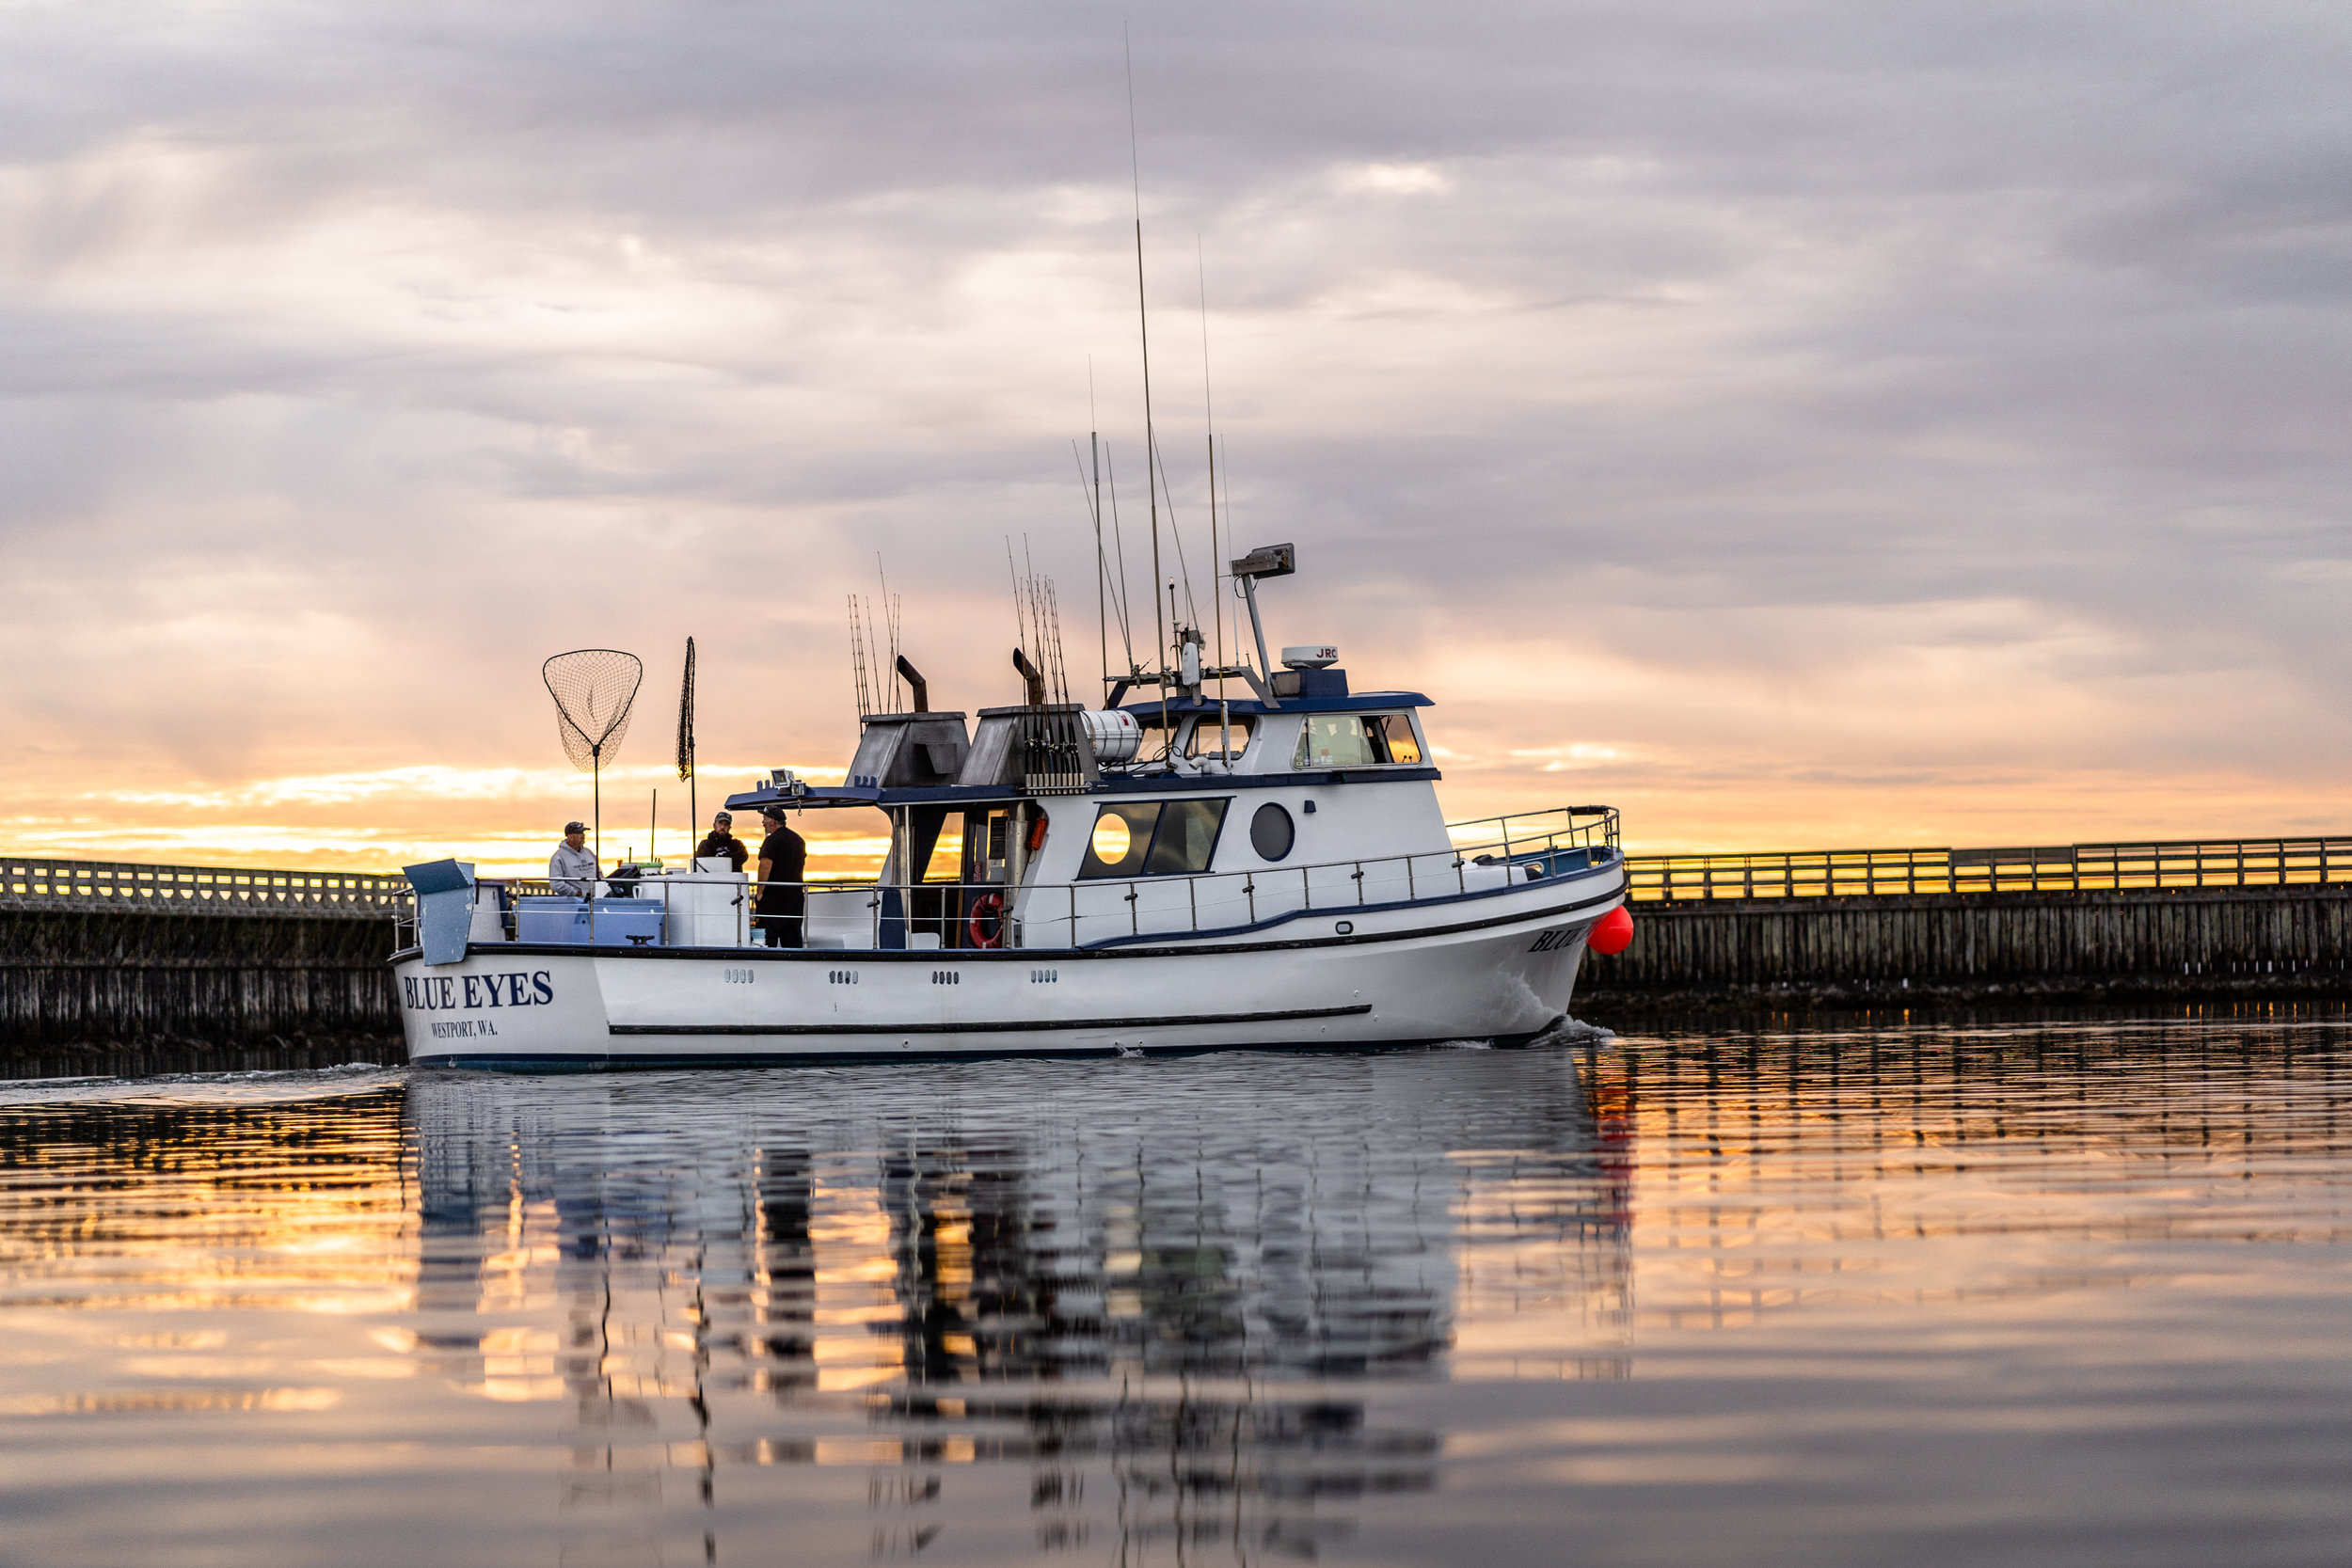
[593, 690]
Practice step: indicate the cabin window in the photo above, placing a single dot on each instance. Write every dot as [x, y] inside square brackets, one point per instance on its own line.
[1356, 740]
[1211, 739]
[1394, 732]
[1187, 839]
[1152, 839]
[1335, 740]
[1121, 837]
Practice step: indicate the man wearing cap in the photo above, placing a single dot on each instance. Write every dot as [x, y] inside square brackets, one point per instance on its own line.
[783, 864]
[572, 869]
[720, 840]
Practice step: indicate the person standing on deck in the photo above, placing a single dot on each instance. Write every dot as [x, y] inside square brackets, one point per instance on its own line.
[783, 864]
[572, 869]
[720, 840]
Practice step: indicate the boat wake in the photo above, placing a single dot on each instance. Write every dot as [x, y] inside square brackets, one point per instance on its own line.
[206, 1088]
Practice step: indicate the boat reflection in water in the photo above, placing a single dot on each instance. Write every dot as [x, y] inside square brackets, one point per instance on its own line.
[1050, 1306]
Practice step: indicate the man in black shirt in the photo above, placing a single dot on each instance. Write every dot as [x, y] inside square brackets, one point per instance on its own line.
[720, 840]
[783, 859]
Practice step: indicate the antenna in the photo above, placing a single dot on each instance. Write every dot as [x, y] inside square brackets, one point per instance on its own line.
[1094, 442]
[686, 745]
[1183, 564]
[1118, 538]
[857, 660]
[593, 690]
[890, 624]
[1150, 442]
[1094, 510]
[873, 648]
[1208, 404]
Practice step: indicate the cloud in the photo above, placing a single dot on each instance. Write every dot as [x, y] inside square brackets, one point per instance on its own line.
[1841, 397]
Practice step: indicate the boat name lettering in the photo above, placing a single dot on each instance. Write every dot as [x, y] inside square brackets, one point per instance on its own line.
[434, 993]
[1557, 937]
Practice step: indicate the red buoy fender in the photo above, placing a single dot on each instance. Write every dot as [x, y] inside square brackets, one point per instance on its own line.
[1612, 933]
[988, 906]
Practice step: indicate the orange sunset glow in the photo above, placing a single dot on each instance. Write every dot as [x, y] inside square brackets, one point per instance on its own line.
[1881, 506]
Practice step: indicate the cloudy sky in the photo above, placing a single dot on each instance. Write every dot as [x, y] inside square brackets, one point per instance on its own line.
[1802, 426]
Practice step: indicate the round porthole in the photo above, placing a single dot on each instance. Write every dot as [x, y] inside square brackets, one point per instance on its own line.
[1271, 833]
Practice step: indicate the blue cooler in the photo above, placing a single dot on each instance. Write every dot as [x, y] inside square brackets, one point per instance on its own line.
[625, 923]
[550, 920]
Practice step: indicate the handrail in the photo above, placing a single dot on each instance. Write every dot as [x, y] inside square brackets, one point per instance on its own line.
[1540, 847]
[2114, 867]
[39, 884]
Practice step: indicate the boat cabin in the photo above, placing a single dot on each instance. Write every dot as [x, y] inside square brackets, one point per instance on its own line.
[1160, 819]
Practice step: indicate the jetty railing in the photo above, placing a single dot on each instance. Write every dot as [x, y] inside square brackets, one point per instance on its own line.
[2038, 868]
[42, 883]
[114, 887]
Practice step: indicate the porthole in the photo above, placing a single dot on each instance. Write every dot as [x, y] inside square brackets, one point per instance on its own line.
[1271, 833]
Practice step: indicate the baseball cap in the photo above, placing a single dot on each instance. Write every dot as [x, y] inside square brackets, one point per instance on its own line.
[575, 827]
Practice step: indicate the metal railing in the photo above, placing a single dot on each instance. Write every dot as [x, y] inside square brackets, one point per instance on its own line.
[2059, 868]
[117, 886]
[1062, 915]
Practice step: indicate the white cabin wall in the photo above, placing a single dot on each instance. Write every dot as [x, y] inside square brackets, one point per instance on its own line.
[1351, 822]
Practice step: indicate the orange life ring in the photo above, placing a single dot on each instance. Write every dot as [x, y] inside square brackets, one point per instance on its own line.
[988, 906]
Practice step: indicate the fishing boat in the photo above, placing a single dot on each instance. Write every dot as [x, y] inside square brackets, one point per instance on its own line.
[1187, 871]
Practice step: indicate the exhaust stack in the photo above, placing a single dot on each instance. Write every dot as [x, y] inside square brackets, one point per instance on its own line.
[915, 680]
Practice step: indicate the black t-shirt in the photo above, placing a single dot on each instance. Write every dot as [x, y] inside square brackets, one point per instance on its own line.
[712, 846]
[788, 853]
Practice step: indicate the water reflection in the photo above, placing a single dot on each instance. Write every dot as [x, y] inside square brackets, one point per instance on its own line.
[1820, 1297]
[1154, 1309]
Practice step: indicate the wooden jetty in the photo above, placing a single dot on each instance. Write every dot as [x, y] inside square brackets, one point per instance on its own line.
[108, 955]
[2192, 919]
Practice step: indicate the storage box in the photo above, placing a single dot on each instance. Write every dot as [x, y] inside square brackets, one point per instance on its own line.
[624, 923]
[550, 920]
[618, 923]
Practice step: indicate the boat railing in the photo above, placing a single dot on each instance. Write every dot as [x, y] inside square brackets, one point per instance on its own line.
[1528, 846]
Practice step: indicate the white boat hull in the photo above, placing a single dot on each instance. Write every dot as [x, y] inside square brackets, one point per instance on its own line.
[1501, 966]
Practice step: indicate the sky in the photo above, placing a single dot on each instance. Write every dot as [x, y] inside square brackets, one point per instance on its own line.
[1804, 425]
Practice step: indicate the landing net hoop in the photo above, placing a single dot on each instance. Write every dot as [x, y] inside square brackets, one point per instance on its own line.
[594, 689]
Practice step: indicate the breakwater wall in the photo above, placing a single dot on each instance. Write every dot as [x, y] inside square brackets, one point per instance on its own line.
[202, 964]
[229, 967]
[1893, 949]
[193, 981]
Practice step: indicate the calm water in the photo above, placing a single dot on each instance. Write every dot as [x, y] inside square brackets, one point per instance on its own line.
[2077, 1293]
